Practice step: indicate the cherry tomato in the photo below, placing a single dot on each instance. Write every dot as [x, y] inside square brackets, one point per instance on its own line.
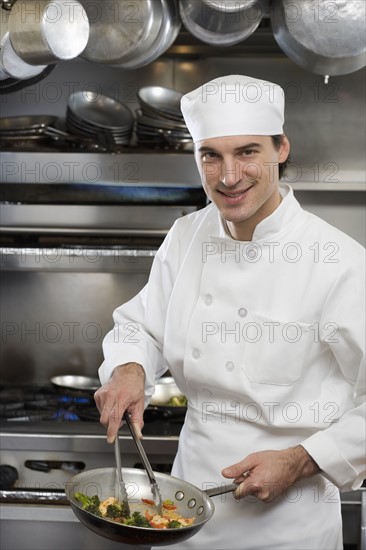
[169, 505]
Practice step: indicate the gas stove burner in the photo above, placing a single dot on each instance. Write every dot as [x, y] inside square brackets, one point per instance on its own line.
[34, 404]
[49, 403]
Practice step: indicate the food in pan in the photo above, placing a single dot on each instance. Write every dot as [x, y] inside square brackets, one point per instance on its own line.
[114, 510]
[177, 401]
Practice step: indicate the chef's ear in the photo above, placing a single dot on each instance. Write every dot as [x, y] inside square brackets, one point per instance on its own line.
[284, 149]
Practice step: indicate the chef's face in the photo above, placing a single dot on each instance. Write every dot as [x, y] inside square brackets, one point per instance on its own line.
[240, 175]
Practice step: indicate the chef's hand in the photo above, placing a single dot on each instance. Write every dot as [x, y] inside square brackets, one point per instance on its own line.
[124, 391]
[267, 474]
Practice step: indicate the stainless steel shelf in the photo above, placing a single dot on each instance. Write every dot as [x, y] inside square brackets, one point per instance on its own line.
[322, 186]
[83, 174]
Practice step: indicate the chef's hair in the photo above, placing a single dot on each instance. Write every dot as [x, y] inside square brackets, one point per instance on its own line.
[277, 140]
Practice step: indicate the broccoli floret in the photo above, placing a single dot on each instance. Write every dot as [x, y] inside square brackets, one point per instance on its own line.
[137, 520]
[116, 511]
[174, 524]
[89, 504]
[178, 401]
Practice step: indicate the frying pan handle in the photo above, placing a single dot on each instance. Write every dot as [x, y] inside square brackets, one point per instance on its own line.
[221, 490]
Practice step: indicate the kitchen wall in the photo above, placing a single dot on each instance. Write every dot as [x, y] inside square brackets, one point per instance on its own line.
[325, 122]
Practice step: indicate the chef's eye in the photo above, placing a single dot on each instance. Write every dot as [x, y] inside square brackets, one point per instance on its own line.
[209, 156]
[248, 152]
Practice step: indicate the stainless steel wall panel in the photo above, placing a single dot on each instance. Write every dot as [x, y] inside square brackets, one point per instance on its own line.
[53, 322]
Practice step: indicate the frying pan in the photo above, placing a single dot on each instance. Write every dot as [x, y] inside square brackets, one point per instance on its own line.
[74, 382]
[24, 123]
[190, 500]
[161, 102]
[100, 111]
[165, 388]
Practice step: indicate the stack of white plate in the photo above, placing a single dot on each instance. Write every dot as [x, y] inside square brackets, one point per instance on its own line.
[159, 121]
[93, 115]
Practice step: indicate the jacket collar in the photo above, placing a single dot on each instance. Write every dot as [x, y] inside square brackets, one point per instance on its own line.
[273, 224]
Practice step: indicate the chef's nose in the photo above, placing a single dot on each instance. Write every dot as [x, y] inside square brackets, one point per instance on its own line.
[230, 172]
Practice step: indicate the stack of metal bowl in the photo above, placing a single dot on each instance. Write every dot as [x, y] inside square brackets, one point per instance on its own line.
[159, 120]
[109, 121]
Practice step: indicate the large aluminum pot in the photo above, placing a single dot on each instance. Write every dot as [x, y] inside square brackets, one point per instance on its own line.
[169, 30]
[12, 66]
[191, 502]
[120, 30]
[326, 38]
[48, 31]
[221, 22]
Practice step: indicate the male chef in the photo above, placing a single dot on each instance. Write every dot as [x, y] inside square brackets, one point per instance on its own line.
[256, 308]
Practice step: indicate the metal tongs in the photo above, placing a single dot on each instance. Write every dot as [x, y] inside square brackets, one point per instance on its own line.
[153, 483]
[120, 488]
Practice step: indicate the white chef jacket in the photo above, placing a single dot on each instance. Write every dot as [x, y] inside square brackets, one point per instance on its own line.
[266, 340]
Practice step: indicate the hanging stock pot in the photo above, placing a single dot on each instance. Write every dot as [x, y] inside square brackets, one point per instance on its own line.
[326, 38]
[221, 22]
[128, 34]
[48, 31]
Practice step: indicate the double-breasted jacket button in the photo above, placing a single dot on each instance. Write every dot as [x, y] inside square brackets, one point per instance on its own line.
[230, 366]
[242, 312]
[207, 299]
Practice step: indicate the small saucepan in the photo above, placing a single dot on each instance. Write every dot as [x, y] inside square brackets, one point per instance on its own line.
[190, 500]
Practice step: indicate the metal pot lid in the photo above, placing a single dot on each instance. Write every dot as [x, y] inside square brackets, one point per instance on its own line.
[121, 30]
[324, 37]
[223, 23]
[100, 110]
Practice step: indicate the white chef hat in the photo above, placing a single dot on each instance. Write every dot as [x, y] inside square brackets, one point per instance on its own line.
[234, 105]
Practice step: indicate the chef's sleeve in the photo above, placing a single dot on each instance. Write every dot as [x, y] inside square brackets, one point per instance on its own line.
[139, 324]
[340, 449]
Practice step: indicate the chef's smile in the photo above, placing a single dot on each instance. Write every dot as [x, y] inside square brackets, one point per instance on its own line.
[232, 197]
